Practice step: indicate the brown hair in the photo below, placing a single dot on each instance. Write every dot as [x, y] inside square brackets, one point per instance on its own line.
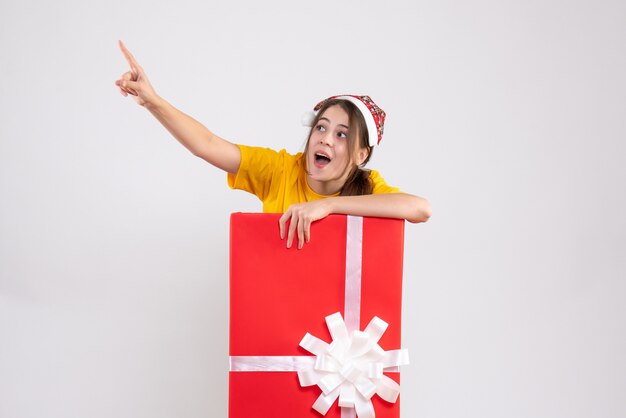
[358, 182]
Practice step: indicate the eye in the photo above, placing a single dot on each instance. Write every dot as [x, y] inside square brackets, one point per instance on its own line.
[320, 128]
[342, 135]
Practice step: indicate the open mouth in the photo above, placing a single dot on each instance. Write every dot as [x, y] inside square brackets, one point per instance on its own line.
[321, 160]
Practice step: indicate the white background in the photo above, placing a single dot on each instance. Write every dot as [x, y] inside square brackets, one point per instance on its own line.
[508, 116]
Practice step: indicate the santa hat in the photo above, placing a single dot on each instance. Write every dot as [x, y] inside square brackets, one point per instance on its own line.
[374, 116]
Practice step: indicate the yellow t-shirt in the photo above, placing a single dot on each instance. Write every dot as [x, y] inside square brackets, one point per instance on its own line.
[279, 180]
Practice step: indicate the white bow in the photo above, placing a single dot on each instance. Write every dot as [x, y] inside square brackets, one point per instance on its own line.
[351, 367]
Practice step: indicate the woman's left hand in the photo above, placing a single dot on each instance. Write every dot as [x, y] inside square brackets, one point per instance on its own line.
[300, 216]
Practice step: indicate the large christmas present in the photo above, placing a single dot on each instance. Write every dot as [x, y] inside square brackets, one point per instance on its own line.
[315, 331]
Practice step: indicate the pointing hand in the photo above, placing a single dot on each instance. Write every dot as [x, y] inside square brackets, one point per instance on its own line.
[135, 82]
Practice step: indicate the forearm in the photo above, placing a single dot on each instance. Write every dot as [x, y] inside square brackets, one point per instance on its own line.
[188, 131]
[391, 205]
[196, 137]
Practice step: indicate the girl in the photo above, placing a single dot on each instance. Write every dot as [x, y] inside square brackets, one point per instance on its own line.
[326, 178]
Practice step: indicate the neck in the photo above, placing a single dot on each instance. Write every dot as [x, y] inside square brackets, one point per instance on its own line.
[326, 188]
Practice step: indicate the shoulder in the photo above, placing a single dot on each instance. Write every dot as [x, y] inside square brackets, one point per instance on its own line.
[380, 185]
[375, 176]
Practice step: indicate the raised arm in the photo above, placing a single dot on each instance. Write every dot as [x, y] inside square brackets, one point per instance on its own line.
[188, 131]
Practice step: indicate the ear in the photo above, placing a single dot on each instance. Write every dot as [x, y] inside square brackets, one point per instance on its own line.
[361, 156]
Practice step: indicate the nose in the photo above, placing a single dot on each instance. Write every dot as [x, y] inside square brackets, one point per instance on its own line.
[327, 138]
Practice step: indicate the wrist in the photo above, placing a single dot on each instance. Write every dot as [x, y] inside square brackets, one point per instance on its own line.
[330, 203]
[155, 104]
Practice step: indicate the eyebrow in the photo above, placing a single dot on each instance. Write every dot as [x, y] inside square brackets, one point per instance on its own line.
[328, 120]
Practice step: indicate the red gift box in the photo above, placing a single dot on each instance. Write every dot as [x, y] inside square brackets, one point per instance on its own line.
[277, 295]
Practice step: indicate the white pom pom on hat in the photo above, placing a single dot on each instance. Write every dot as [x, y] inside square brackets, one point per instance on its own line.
[308, 118]
[374, 116]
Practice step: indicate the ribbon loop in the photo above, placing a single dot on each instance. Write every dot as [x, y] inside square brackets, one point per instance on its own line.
[387, 389]
[364, 408]
[376, 328]
[314, 345]
[351, 373]
[338, 349]
[323, 403]
[362, 342]
[326, 364]
[337, 328]
[347, 396]
[395, 358]
[330, 382]
[375, 370]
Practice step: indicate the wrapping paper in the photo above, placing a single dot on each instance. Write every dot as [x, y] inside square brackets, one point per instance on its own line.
[277, 295]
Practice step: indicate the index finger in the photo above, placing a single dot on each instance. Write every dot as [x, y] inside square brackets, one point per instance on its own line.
[281, 224]
[293, 223]
[129, 57]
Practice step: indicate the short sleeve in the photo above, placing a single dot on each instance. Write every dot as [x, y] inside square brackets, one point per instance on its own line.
[257, 169]
[379, 184]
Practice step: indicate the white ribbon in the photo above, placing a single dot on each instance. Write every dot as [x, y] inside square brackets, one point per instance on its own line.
[351, 367]
[354, 249]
